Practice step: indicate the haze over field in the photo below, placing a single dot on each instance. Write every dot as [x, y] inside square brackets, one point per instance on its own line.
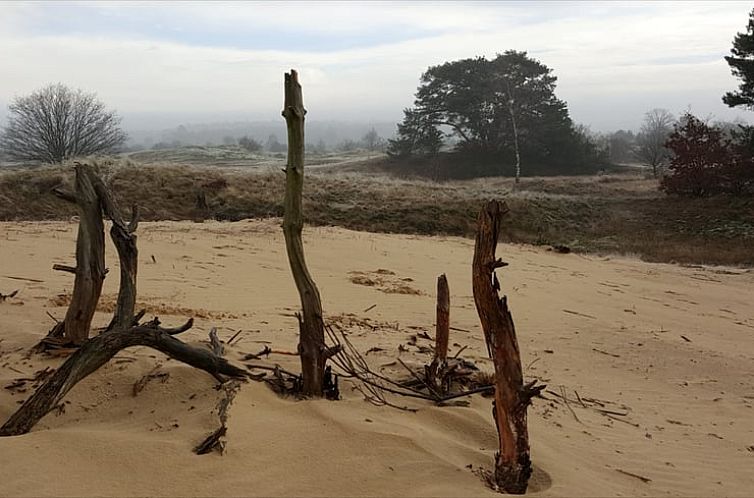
[164, 64]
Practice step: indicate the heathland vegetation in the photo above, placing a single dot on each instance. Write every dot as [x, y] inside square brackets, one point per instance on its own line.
[478, 128]
[613, 213]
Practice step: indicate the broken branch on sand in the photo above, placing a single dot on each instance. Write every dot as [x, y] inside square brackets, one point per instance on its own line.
[65, 268]
[3, 297]
[637, 476]
[97, 351]
[215, 440]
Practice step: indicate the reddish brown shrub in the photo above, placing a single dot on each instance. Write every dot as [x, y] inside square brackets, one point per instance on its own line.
[706, 163]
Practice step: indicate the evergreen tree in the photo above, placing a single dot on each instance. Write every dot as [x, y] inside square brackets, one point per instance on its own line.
[417, 135]
[503, 111]
[741, 64]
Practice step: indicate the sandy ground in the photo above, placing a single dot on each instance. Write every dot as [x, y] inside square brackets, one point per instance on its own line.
[669, 349]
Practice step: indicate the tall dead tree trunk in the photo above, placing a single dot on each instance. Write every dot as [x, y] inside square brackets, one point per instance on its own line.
[124, 238]
[311, 345]
[512, 396]
[90, 258]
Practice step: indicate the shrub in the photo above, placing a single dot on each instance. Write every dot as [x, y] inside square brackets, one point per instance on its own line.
[706, 163]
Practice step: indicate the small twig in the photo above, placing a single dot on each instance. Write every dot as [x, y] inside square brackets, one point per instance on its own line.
[3, 297]
[276, 368]
[65, 268]
[230, 341]
[605, 352]
[434, 393]
[211, 442]
[637, 476]
[481, 389]
[580, 314]
[255, 356]
[370, 308]
[533, 362]
[24, 278]
[138, 316]
[579, 398]
[460, 351]
[612, 417]
[568, 405]
[610, 412]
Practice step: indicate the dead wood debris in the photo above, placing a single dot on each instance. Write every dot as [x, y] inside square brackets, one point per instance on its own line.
[140, 384]
[619, 414]
[374, 386]
[216, 440]
[636, 476]
[97, 351]
[20, 385]
[3, 297]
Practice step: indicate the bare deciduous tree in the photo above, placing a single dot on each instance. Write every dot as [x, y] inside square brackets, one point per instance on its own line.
[657, 126]
[372, 141]
[58, 123]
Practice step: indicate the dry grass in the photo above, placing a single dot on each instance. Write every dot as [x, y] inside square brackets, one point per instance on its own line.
[603, 214]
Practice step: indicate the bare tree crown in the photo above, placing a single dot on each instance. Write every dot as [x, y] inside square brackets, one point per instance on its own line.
[58, 123]
[657, 126]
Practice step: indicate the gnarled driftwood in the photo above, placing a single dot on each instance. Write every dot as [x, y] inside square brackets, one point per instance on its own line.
[99, 350]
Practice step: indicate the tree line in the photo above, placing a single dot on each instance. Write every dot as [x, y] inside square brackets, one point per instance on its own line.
[483, 116]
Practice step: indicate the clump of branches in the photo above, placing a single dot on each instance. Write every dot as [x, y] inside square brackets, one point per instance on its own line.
[374, 385]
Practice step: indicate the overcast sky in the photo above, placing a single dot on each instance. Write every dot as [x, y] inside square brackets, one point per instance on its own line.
[160, 64]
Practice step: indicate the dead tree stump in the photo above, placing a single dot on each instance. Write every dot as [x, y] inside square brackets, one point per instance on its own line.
[311, 345]
[436, 371]
[512, 396]
[90, 257]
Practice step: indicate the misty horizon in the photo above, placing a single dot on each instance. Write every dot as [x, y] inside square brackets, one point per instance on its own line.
[162, 65]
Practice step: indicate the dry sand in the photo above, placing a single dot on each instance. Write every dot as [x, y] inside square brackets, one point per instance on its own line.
[611, 329]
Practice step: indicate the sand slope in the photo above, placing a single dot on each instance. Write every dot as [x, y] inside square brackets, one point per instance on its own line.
[608, 328]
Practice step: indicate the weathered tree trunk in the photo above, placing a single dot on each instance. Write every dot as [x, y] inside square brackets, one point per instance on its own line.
[311, 345]
[90, 258]
[435, 371]
[512, 397]
[124, 239]
[99, 350]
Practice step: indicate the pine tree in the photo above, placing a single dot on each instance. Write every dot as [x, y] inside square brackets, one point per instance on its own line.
[417, 135]
[741, 64]
[502, 113]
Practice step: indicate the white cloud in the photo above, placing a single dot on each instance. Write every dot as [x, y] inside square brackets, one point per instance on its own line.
[613, 61]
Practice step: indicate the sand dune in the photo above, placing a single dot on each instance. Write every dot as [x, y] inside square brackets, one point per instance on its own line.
[665, 352]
